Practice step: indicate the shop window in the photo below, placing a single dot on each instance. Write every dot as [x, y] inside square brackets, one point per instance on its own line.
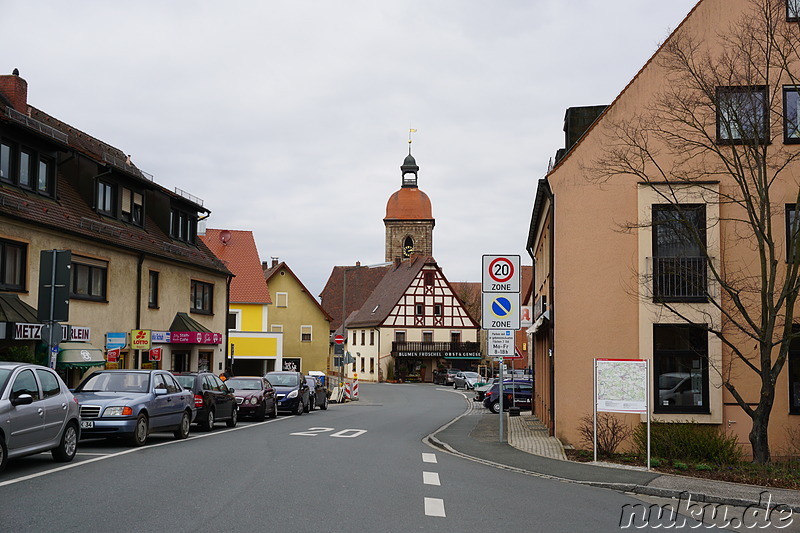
[680, 369]
[202, 297]
[89, 278]
[13, 259]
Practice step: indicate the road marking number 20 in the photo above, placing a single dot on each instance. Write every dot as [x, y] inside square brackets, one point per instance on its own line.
[342, 434]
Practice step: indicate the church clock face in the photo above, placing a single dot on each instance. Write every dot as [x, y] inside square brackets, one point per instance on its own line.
[408, 247]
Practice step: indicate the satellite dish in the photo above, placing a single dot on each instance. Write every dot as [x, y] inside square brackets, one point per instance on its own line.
[225, 236]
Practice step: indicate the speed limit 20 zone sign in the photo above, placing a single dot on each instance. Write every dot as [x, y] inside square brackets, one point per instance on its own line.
[501, 273]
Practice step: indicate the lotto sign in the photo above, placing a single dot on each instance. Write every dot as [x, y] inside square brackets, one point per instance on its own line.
[112, 356]
[500, 310]
[501, 273]
[155, 354]
[140, 339]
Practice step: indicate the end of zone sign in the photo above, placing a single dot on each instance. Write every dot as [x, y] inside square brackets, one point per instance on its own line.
[501, 273]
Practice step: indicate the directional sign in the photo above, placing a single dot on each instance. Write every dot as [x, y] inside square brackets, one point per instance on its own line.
[500, 310]
[501, 273]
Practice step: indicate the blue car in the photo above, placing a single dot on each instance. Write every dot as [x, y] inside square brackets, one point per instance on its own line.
[291, 390]
[519, 392]
[132, 404]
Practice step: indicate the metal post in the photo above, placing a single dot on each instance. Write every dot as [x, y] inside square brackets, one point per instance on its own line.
[53, 358]
[500, 392]
[594, 410]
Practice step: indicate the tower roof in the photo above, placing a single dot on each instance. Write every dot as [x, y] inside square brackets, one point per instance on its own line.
[409, 203]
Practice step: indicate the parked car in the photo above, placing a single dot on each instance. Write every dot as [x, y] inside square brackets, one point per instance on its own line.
[37, 413]
[518, 392]
[132, 404]
[318, 395]
[481, 390]
[255, 396]
[445, 377]
[677, 389]
[466, 379]
[292, 391]
[213, 399]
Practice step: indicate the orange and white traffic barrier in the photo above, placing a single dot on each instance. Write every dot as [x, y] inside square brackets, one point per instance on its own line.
[346, 390]
[354, 395]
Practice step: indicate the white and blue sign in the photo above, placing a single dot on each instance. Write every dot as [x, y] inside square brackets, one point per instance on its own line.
[116, 340]
[501, 310]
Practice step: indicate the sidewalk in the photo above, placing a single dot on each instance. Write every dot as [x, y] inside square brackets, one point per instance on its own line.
[529, 449]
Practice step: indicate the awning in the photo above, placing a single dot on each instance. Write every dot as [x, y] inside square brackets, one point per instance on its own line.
[12, 309]
[79, 355]
[183, 322]
[541, 321]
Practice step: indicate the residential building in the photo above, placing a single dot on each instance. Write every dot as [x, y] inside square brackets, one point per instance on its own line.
[625, 263]
[136, 262]
[299, 318]
[254, 349]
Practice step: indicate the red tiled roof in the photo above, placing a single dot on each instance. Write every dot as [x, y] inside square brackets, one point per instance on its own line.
[361, 282]
[237, 249]
[409, 203]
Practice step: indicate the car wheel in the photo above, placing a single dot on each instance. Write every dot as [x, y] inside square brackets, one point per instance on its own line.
[139, 436]
[183, 430]
[231, 422]
[495, 407]
[274, 412]
[68, 446]
[324, 405]
[299, 409]
[3, 453]
[455, 385]
[307, 407]
[261, 414]
[208, 423]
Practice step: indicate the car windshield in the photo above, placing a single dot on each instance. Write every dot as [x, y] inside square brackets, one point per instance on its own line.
[187, 382]
[243, 384]
[116, 382]
[666, 381]
[471, 375]
[283, 380]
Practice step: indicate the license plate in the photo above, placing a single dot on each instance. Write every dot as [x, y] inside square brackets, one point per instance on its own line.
[87, 424]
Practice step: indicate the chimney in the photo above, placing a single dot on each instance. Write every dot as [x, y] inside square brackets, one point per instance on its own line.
[274, 262]
[358, 263]
[15, 90]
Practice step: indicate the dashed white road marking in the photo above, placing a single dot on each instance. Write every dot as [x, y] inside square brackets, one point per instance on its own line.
[428, 457]
[430, 478]
[434, 507]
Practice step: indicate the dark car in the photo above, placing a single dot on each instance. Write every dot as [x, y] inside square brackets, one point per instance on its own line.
[445, 377]
[317, 393]
[37, 413]
[518, 392]
[292, 391]
[213, 399]
[255, 396]
[132, 404]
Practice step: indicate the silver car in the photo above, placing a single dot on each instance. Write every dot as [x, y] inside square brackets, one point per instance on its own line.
[466, 379]
[37, 413]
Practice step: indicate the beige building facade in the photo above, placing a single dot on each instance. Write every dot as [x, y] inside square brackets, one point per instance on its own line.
[616, 275]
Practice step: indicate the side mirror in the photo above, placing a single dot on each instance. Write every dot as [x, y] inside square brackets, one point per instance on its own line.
[231, 390]
[160, 392]
[22, 399]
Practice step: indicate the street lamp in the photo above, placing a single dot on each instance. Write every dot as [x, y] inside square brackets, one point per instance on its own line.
[344, 306]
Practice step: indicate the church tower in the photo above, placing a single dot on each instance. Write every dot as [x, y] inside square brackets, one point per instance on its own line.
[409, 220]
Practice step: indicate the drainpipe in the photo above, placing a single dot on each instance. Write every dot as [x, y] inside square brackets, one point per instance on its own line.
[551, 325]
[139, 303]
[228, 362]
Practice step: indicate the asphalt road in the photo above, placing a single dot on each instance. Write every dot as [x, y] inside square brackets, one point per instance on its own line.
[357, 467]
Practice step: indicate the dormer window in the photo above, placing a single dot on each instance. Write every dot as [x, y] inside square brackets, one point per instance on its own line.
[183, 226]
[132, 207]
[26, 168]
[105, 198]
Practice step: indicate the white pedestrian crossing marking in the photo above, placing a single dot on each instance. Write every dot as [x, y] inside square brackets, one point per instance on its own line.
[430, 478]
[434, 507]
[428, 457]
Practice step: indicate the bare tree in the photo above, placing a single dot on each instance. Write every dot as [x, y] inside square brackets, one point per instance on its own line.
[717, 126]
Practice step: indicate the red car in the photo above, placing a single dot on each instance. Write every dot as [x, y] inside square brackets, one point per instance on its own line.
[255, 396]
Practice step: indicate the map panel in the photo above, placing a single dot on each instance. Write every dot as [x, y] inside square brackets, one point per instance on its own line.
[621, 385]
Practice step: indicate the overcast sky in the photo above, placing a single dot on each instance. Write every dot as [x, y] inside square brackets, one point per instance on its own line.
[291, 119]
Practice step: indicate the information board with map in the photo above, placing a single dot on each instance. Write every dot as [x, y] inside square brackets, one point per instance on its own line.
[621, 385]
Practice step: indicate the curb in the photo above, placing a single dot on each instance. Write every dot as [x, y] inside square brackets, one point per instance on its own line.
[633, 488]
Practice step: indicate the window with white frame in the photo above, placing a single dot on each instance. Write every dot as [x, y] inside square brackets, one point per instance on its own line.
[276, 328]
[305, 333]
[282, 299]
